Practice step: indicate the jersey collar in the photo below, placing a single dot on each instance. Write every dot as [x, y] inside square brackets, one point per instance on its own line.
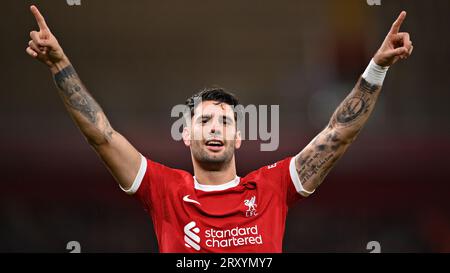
[221, 187]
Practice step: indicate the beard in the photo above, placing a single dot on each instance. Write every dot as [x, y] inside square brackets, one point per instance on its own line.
[209, 160]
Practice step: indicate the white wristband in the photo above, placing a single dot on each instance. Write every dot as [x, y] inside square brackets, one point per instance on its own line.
[374, 74]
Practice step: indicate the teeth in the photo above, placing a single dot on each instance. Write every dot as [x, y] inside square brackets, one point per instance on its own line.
[213, 142]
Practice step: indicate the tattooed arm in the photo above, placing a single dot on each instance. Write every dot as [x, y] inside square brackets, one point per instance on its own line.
[316, 160]
[121, 158]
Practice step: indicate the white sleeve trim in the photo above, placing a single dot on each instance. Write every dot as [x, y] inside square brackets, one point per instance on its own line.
[138, 179]
[296, 180]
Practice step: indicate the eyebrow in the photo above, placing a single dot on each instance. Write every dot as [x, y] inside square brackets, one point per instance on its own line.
[228, 119]
[209, 116]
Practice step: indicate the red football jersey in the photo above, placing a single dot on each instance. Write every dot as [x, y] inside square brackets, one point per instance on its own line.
[246, 214]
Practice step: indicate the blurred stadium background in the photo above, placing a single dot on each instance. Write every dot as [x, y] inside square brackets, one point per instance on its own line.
[140, 58]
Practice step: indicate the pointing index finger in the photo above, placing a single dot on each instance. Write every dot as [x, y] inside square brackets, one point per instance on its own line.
[398, 23]
[39, 18]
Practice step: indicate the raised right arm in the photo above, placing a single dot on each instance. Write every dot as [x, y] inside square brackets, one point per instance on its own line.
[121, 158]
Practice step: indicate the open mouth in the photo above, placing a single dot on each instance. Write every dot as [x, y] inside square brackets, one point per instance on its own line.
[214, 143]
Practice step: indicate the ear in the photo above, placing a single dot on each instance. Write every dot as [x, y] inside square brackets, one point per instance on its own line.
[238, 142]
[186, 136]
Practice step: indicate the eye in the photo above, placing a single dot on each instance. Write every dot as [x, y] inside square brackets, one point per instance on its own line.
[223, 120]
[204, 120]
[226, 121]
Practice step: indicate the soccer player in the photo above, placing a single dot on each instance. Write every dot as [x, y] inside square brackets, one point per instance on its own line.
[215, 210]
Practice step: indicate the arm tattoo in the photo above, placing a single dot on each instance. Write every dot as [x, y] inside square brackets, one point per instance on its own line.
[321, 155]
[78, 99]
[357, 104]
[314, 162]
[75, 95]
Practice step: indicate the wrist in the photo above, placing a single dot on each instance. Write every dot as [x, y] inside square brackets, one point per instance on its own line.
[60, 65]
[374, 73]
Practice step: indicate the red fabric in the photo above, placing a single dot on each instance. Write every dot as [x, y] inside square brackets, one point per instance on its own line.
[225, 220]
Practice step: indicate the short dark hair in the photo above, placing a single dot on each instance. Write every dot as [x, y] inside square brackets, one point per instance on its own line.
[218, 94]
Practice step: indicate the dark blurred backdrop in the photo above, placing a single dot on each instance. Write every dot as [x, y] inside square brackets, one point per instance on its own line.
[140, 58]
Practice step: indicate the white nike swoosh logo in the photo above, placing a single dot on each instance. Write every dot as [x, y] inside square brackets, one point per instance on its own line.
[187, 199]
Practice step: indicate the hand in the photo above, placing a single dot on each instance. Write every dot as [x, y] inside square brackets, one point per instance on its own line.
[396, 46]
[43, 45]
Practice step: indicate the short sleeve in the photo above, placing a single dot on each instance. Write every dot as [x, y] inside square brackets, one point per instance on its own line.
[149, 182]
[295, 179]
[284, 178]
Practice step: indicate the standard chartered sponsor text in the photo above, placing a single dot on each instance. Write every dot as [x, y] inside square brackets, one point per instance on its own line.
[233, 237]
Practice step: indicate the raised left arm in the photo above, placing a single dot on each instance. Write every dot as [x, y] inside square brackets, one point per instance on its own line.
[316, 160]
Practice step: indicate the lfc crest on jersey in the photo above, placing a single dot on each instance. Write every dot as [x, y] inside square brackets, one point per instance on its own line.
[251, 207]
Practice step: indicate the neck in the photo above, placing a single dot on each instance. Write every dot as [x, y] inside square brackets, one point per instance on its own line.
[221, 175]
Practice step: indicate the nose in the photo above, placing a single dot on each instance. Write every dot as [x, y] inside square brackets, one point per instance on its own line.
[216, 127]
